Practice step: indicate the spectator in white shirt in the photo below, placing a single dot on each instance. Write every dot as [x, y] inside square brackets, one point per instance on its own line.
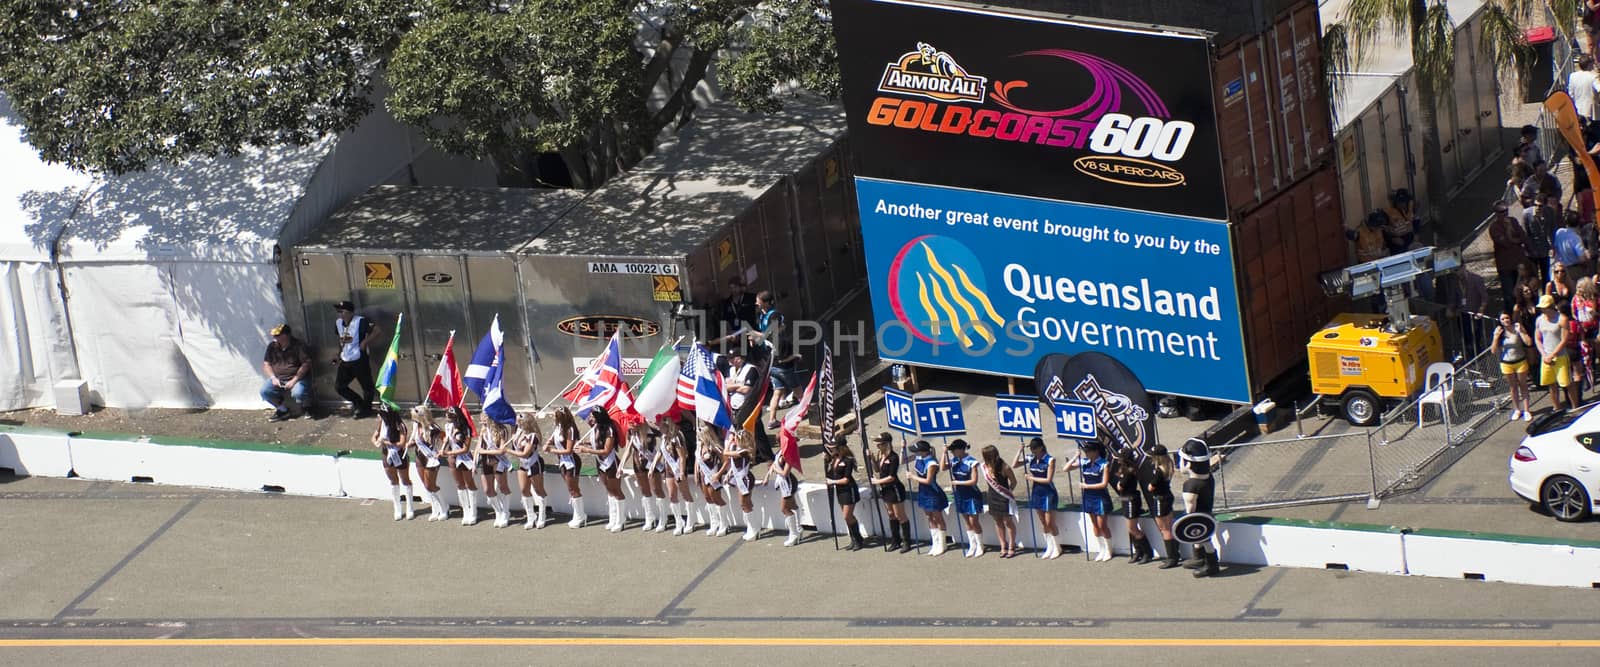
[739, 382]
[1582, 85]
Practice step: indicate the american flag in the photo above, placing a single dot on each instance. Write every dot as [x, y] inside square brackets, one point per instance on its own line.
[827, 393]
[687, 375]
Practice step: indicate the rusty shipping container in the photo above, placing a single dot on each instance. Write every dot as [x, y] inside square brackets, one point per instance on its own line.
[1271, 110]
[1280, 248]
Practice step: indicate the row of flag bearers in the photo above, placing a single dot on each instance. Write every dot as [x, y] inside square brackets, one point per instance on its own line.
[637, 424]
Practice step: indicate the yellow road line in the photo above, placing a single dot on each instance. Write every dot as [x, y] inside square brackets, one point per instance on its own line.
[972, 642]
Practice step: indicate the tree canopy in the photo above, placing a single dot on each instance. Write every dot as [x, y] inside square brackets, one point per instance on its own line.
[116, 86]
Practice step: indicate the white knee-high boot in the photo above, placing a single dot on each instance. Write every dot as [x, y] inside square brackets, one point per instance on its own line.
[614, 509]
[411, 510]
[394, 496]
[579, 516]
[751, 532]
[936, 543]
[713, 519]
[544, 511]
[792, 522]
[649, 503]
[663, 510]
[502, 511]
[528, 513]
[469, 507]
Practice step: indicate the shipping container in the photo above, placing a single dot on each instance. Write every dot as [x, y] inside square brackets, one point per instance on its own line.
[649, 253]
[1282, 246]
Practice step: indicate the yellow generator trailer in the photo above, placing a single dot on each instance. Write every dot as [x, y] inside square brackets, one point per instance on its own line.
[1364, 364]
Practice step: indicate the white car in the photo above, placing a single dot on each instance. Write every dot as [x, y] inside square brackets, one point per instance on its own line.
[1558, 465]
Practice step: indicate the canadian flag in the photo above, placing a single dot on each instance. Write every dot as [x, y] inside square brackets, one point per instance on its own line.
[447, 390]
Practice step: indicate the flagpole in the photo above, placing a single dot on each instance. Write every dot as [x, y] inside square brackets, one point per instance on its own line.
[1033, 530]
[866, 455]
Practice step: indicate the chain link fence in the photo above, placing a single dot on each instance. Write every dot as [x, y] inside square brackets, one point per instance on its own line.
[1410, 446]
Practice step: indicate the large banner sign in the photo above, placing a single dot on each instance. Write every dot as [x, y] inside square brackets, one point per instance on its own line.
[987, 282]
[1029, 105]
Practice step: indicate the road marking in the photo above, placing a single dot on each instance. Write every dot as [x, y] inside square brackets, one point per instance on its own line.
[979, 642]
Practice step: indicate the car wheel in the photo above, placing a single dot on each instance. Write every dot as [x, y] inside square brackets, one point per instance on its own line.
[1361, 407]
[1564, 498]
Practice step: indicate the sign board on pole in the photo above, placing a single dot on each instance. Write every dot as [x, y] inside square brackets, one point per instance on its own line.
[940, 415]
[1075, 419]
[901, 409]
[1017, 415]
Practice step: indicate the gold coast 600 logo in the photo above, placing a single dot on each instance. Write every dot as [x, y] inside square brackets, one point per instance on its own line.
[937, 290]
[1121, 118]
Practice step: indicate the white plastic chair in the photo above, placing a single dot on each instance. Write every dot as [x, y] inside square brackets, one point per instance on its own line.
[1439, 384]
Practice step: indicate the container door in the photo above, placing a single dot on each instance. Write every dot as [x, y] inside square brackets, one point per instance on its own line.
[492, 290]
[323, 282]
[379, 292]
[812, 234]
[438, 306]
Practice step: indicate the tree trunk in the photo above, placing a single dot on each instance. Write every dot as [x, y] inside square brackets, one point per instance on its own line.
[1428, 108]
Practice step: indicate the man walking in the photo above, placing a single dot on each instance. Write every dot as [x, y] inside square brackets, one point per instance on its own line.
[355, 333]
[286, 364]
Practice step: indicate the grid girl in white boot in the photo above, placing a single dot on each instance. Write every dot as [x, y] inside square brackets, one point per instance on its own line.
[428, 441]
[390, 439]
[564, 444]
[493, 463]
[1096, 498]
[787, 485]
[458, 451]
[676, 478]
[604, 442]
[710, 468]
[524, 447]
[740, 455]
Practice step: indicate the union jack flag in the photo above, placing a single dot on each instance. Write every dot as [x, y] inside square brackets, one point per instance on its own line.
[606, 384]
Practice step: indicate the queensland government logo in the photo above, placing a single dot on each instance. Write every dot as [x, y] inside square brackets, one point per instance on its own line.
[937, 290]
[933, 74]
[1120, 117]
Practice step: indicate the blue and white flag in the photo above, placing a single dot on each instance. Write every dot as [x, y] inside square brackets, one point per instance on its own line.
[710, 402]
[483, 375]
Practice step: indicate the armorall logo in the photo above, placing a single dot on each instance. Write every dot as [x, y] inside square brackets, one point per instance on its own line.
[934, 74]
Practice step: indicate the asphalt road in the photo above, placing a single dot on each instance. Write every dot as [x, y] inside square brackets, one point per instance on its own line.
[96, 572]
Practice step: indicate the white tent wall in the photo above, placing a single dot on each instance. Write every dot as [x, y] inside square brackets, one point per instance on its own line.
[35, 198]
[35, 349]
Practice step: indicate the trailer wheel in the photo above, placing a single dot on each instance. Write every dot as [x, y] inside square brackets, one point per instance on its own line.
[1361, 407]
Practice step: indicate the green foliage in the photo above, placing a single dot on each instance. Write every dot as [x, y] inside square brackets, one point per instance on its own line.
[118, 86]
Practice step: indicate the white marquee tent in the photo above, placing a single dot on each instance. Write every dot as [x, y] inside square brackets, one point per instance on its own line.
[156, 288]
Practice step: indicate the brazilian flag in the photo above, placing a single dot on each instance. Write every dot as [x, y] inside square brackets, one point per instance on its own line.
[390, 367]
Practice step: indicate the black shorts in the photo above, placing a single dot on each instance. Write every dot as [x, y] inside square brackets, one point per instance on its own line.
[1205, 490]
[1132, 506]
[847, 494]
[892, 493]
[1160, 504]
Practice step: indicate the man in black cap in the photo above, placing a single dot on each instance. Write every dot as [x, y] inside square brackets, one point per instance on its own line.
[286, 364]
[355, 334]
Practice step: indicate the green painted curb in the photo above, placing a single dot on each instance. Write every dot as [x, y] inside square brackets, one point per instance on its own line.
[1502, 537]
[1308, 523]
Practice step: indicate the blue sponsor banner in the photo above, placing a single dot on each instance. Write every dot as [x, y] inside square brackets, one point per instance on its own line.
[987, 282]
[901, 409]
[940, 415]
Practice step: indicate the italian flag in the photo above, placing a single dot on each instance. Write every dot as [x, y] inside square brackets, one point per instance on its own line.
[656, 393]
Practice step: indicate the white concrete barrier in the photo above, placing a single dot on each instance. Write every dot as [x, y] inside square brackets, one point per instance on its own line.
[41, 453]
[1507, 558]
[1314, 544]
[218, 467]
